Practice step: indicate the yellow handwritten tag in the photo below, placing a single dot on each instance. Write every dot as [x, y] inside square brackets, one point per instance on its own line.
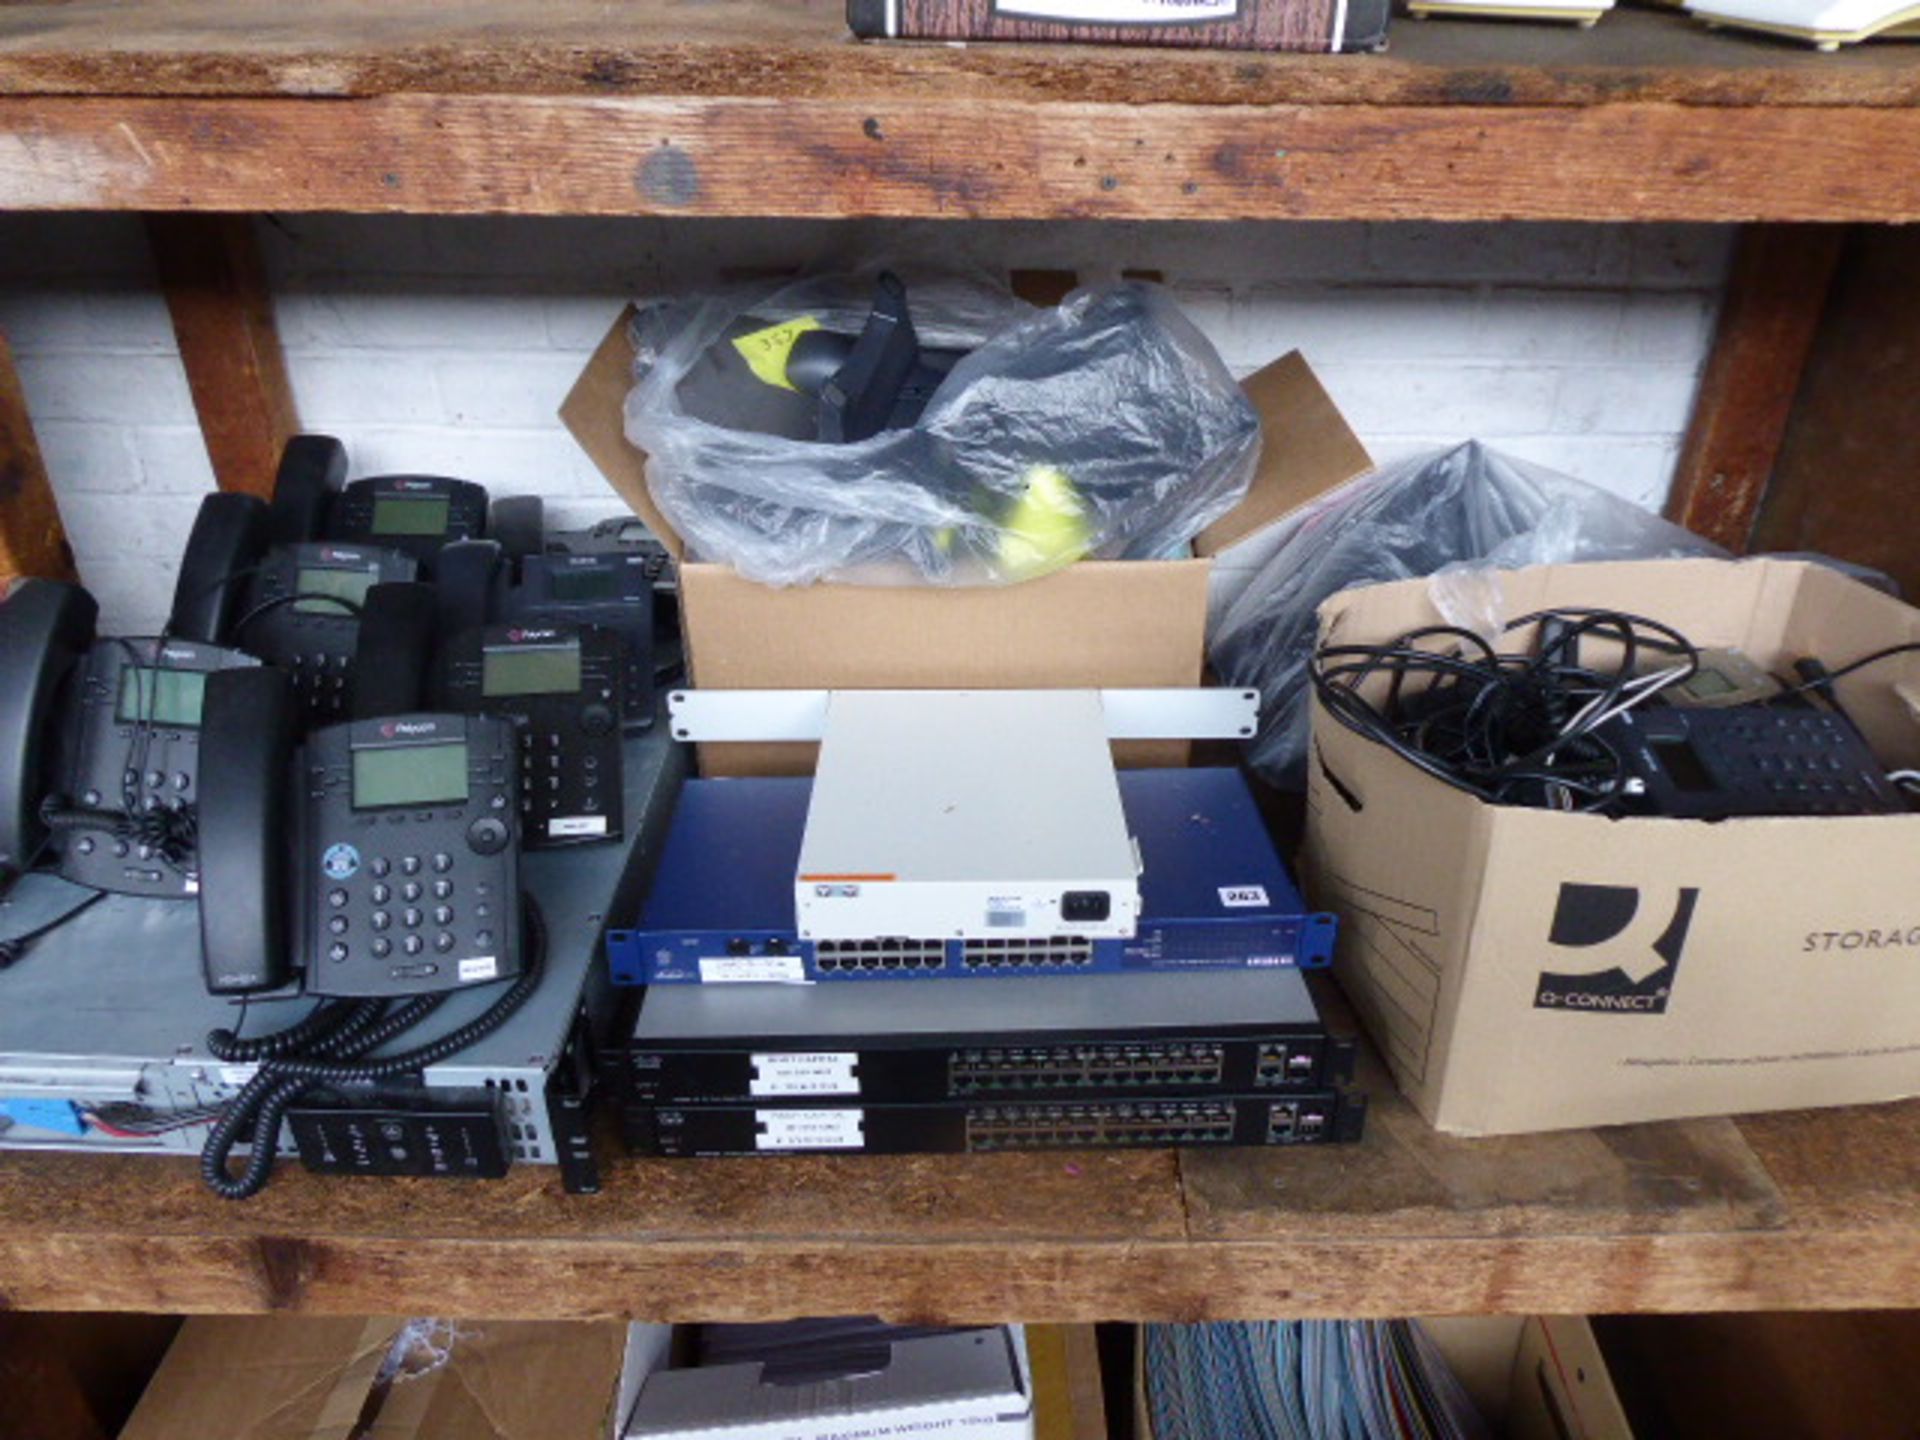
[766, 351]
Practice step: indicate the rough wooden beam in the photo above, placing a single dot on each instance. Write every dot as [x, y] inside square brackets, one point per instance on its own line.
[31, 540]
[799, 49]
[901, 155]
[1848, 479]
[216, 289]
[1768, 319]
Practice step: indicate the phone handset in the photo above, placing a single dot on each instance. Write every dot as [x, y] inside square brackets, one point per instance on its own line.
[313, 471]
[248, 724]
[226, 544]
[46, 628]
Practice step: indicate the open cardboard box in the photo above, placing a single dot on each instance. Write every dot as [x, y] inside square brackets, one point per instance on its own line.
[1098, 623]
[1526, 969]
[244, 1377]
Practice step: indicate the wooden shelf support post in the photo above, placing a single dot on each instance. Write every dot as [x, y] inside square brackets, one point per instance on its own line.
[216, 288]
[1775, 297]
[31, 540]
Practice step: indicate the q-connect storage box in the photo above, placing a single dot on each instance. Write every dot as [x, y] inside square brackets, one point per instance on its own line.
[1526, 969]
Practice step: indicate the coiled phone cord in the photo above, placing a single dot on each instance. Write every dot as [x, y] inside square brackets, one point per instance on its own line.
[337, 1058]
[336, 1020]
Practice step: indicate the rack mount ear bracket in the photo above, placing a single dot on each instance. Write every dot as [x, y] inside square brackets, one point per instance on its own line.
[1170, 713]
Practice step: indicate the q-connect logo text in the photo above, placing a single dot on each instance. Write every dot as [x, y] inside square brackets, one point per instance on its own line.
[1638, 950]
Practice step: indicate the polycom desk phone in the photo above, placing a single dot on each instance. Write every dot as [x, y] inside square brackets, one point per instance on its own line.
[379, 859]
[564, 686]
[613, 592]
[127, 815]
[300, 623]
[99, 745]
[409, 874]
[415, 514]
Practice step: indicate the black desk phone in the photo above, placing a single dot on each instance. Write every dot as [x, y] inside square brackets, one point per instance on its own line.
[299, 625]
[381, 858]
[627, 538]
[1773, 759]
[416, 515]
[127, 813]
[100, 745]
[481, 585]
[409, 875]
[563, 685]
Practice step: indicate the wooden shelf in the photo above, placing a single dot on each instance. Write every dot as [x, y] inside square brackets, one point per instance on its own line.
[1804, 1211]
[752, 107]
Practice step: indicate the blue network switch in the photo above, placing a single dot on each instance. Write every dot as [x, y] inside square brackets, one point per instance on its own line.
[1214, 895]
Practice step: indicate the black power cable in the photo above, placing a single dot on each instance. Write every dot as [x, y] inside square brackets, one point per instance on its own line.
[1512, 729]
[336, 1051]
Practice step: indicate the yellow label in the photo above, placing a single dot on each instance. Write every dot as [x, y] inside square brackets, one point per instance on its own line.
[766, 351]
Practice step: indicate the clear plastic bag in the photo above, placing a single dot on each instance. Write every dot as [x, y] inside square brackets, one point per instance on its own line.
[1460, 516]
[1107, 427]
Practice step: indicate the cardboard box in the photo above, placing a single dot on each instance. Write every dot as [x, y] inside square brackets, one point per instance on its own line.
[1526, 969]
[296, 1378]
[1118, 623]
[972, 1385]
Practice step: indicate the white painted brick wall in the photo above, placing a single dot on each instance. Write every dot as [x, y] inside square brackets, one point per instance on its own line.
[446, 345]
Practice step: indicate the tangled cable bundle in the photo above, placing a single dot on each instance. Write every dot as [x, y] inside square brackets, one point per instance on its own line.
[1513, 729]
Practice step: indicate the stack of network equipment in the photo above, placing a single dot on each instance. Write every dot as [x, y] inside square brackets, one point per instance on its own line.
[103, 1026]
[1167, 1009]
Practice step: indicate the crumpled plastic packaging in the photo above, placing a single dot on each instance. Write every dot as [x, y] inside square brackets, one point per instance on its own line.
[1461, 516]
[1106, 427]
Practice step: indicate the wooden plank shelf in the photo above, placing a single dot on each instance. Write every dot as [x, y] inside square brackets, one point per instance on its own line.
[751, 107]
[1801, 1211]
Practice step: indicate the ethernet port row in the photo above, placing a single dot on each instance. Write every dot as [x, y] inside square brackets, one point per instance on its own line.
[889, 956]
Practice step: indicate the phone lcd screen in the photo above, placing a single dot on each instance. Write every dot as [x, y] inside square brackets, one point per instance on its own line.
[348, 585]
[1706, 683]
[547, 670]
[162, 697]
[410, 775]
[410, 515]
[597, 582]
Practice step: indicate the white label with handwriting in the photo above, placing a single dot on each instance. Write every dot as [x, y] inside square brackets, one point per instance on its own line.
[810, 1129]
[826, 1073]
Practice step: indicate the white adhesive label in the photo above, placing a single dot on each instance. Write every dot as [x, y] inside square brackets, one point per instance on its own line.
[754, 970]
[237, 1074]
[827, 1073]
[577, 825]
[1120, 12]
[478, 968]
[810, 1129]
[1242, 897]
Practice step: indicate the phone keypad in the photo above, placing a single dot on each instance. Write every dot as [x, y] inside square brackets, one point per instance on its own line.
[393, 896]
[388, 928]
[1794, 761]
[320, 685]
